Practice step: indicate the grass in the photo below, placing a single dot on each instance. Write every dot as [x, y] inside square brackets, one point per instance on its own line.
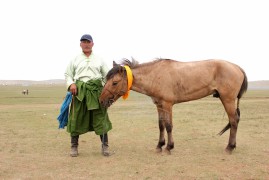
[32, 146]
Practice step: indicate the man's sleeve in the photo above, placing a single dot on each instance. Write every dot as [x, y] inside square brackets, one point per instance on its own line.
[69, 74]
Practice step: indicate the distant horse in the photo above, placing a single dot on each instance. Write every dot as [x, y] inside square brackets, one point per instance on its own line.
[169, 82]
[25, 91]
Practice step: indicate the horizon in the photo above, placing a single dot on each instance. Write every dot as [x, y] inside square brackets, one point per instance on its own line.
[64, 80]
[253, 85]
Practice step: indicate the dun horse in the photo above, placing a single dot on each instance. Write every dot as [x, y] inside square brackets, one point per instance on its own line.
[169, 82]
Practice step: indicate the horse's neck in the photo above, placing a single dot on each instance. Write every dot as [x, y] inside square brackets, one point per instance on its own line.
[142, 82]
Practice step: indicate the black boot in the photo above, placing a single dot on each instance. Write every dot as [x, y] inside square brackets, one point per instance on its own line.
[74, 146]
[105, 149]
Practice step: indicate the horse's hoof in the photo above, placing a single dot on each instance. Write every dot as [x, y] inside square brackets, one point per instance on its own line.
[158, 150]
[229, 149]
[167, 151]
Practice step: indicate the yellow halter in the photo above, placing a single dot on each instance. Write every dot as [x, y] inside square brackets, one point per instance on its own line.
[129, 81]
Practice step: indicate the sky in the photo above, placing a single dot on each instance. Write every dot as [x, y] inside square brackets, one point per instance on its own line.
[39, 38]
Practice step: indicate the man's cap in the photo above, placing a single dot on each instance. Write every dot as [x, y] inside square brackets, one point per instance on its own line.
[86, 37]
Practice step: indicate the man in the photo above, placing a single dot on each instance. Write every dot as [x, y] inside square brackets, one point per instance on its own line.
[84, 76]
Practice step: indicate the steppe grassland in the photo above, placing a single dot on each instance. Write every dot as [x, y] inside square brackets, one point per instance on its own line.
[32, 146]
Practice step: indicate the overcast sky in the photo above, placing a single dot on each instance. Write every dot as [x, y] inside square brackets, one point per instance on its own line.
[38, 38]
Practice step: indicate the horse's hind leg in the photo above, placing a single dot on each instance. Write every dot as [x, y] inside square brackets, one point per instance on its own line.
[233, 116]
[161, 142]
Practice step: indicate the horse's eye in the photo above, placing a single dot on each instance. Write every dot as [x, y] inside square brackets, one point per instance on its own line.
[114, 83]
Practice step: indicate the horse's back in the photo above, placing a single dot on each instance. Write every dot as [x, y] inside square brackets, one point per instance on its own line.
[209, 70]
[197, 79]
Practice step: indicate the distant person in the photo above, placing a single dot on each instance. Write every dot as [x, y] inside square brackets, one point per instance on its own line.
[24, 92]
[84, 77]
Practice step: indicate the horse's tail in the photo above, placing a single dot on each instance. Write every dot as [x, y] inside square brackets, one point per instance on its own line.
[243, 89]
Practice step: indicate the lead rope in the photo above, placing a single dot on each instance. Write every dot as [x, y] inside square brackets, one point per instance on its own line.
[73, 107]
[103, 138]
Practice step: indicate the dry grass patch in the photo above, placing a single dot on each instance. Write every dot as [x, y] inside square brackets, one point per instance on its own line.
[31, 146]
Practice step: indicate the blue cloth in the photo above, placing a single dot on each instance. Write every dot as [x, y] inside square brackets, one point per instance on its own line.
[63, 117]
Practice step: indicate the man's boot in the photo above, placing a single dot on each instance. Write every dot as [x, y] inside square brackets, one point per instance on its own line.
[74, 146]
[105, 149]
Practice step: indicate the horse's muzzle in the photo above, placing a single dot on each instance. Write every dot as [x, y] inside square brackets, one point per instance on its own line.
[106, 103]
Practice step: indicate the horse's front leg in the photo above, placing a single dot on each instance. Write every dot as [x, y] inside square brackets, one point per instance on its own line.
[165, 122]
[161, 142]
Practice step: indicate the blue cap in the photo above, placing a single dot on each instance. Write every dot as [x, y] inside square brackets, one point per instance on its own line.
[86, 37]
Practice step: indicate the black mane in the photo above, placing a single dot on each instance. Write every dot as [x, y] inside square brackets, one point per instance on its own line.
[113, 71]
[119, 67]
[132, 64]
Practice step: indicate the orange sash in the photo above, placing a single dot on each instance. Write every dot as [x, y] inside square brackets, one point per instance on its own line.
[129, 81]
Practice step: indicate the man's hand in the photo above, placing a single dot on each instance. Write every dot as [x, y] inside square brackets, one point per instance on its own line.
[73, 89]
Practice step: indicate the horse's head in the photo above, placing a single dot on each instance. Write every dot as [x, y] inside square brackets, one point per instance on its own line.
[115, 87]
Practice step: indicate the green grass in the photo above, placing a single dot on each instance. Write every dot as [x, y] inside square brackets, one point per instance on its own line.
[32, 146]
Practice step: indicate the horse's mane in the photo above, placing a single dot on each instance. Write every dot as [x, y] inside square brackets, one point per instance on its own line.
[132, 64]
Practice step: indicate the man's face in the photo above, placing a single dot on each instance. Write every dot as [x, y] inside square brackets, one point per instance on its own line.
[86, 46]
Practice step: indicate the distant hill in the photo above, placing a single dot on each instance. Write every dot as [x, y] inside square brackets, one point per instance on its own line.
[258, 85]
[251, 84]
[29, 82]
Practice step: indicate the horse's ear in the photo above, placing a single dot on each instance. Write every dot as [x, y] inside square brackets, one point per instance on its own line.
[114, 64]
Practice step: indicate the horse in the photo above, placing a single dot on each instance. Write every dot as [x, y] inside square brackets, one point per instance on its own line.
[169, 82]
[25, 92]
